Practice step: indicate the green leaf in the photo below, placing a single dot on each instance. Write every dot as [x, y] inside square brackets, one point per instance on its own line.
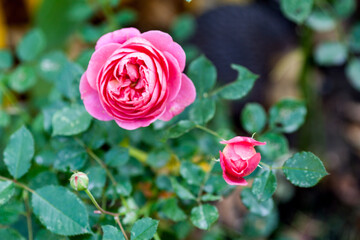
[144, 229]
[264, 185]
[354, 38]
[111, 233]
[183, 28]
[124, 187]
[296, 10]
[97, 176]
[158, 159]
[331, 54]
[192, 173]
[181, 191]
[180, 128]
[70, 121]
[19, 152]
[353, 73]
[69, 80]
[253, 118]
[126, 17]
[43, 179]
[4, 119]
[344, 8]
[304, 169]
[202, 111]
[51, 65]
[210, 198]
[7, 190]
[287, 115]
[256, 226]
[6, 59]
[60, 211]
[172, 211]
[276, 146]
[22, 78]
[262, 208]
[31, 45]
[117, 156]
[203, 74]
[44, 234]
[70, 158]
[241, 86]
[321, 21]
[204, 216]
[10, 212]
[10, 234]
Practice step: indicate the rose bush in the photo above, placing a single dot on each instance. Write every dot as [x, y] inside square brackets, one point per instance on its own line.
[239, 159]
[136, 78]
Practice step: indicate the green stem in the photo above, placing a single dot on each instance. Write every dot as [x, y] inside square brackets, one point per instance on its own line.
[269, 167]
[28, 215]
[209, 131]
[138, 154]
[156, 236]
[206, 178]
[18, 184]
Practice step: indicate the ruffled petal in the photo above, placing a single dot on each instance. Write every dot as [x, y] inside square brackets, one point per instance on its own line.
[118, 36]
[231, 180]
[134, 124]
[91, 100]
[252, 164]
[239, 139]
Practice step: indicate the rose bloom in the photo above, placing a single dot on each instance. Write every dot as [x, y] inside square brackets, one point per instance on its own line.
[136, 78]
[239, 159]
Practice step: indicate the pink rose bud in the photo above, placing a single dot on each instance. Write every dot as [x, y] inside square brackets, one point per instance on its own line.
[136, 78]
[239, 159]
[79, 181]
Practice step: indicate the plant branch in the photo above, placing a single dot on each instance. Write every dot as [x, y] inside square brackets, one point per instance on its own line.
[268, 166]
[28, 216]
[23, 186]
[209, 131]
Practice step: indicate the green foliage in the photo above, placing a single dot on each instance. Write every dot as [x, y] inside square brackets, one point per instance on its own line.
[7, 190]
[181, 191]
[354, 39]
[183, 28]
[253, 118]
[192, 173]
[321, 21]
[31, 45]
[331, 54]
[250, 200]
[202, 111]
[276, 145]
[264, 185]
[19, 152]
[172, 210]
[9, 233]
[54, 206]
[144, 229]
[111, 233]
[353, 73]
[204, 216]
[6, 59]
[304, 169]
[117, 156]
[180, 128]
[295, 10]
[22, 79]
[344, 8]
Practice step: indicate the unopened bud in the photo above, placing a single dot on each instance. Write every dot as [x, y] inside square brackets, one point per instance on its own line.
[79, 181]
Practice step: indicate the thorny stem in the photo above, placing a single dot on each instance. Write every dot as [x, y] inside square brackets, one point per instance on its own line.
[115, 215]
[209, 131]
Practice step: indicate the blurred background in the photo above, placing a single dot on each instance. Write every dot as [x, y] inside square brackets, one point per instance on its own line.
[257, 35]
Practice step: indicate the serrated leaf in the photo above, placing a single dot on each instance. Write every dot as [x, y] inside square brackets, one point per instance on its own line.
[287, 115]
[241, 86]
[262, 208]
[19, 152]
[204, 216]
[180, 128]
[31, 45]
[22, 78]
[253, 118]
[70, 121]
[330, 54]
[264, 185]
[203, 74]
[172, 211]
[111, 233]
[60, 211]
[353, 73]
[202, 111]
[10, 234]
[296, 10]
[304, 169]
[181, 191]
[7, 190]
[144, 229]
[6, 59]
[192, 173]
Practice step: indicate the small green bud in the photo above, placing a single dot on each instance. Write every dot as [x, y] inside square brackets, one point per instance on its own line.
[79, 181]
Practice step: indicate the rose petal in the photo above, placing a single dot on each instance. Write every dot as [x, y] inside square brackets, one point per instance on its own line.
[231, 180]
[164, 42]
[244, 149]
[118, 36]
[185, 97]
[134, 124]
[243, 139]
[91, 100]
[252, 164]
[97, 61]
[174, 82]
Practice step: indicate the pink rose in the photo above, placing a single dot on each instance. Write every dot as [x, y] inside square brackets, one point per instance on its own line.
[239, 159]
[136, 78]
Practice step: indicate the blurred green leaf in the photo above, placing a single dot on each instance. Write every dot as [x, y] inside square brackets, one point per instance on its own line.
[181, 191]
[117, 156]
[203, 74]
[45, 158]
[4, 119]
[97, 176]
[163, 182]
[179, 129]
[19, 152]
[124, 187]
[344, 8]
[261, 208]
[191, 52]
[259, 226]
[192, 173]
[43, 179]
[70, 159]
[7, 190]
[183, 27]
[210, 198]
[126, 17]
[241, 86]
[321, 21]
[304, 169]
[217, 185]
[91, 33]
[276, 146]
[6, 59]
[331, 54]
[172, 211]
[295, 10]
[287, 115]
[10, 212]
[51, 65]
[69, 80]
[182, 229]
[31, 45]
[84, 58]
[51, 209]
[22, 78]
[202, 111]
[158, 159]
[43, 234]
[144, 229]
[71, 121]
[264, 185]
[253, 118]
[204, 216]
[354, 38]
[10, 234]
[353, 73]
[111, 233]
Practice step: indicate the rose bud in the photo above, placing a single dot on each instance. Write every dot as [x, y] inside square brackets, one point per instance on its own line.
[136, 78]
[239, 159]
[79, 181]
